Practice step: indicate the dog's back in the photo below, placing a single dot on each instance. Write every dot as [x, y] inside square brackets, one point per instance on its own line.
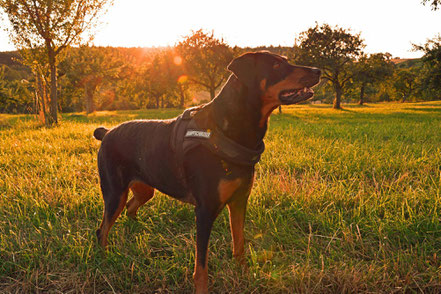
[139, 150]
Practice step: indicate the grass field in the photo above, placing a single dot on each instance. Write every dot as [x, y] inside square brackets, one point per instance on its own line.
[344, 201]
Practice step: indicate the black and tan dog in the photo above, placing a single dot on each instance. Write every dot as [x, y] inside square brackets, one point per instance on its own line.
[139, 156]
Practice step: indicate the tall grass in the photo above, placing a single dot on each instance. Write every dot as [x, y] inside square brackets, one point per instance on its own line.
[344, 201]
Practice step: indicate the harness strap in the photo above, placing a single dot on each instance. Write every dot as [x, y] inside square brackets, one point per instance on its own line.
[187, 135]
[231, 151]
[177, 140]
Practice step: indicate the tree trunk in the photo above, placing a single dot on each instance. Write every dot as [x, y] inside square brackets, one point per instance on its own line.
[280, 108]
[182, 96]
[36, 108]
[88, 93]
[404, 98]
[41, 96]
[212, 93]
[53, 117]
[337, 99]
[157, 102]
[361, 95]
[181, 103]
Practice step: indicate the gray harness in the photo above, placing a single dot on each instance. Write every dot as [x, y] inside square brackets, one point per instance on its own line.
[187, 135]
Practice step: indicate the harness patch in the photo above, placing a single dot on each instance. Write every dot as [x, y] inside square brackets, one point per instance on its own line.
[197, 134]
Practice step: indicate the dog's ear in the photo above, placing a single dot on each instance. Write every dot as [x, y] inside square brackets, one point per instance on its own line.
[244, 68]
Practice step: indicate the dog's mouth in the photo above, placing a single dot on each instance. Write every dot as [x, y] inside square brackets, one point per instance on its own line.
[292, 96]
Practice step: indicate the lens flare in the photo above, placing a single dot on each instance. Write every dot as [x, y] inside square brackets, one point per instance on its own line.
[182, 79]
[177, 60]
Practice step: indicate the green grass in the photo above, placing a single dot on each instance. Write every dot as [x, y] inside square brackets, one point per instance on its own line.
[344, 201]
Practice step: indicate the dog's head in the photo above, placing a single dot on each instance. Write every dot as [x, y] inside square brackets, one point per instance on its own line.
[274, 80]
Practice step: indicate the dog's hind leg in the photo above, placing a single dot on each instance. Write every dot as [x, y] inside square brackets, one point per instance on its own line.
[115, 199]
[141, 194]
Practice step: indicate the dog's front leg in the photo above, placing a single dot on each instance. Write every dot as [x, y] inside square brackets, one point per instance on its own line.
[237, 210]
[205, 218]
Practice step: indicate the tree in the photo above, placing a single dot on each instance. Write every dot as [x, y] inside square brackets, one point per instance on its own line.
[177, 81]
[89, 67]
[161, 78]
[431, 72]
[205, 59]
[334, 50]
[405, 82]
[182, 90]
[371, 69]
[15, 96]
[434, 3]
[45, 28]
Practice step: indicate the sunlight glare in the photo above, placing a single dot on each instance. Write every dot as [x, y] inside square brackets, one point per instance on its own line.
[177, 60]
[182, 79]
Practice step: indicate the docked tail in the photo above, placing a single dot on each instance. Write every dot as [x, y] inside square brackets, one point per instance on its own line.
[100, 132]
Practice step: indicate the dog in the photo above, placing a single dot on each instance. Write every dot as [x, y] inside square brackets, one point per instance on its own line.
[141, 155]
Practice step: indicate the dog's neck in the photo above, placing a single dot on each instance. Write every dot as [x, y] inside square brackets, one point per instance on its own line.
[236, 111]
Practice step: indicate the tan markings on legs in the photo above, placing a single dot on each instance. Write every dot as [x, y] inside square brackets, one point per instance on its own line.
[237, 210]
[200, 275]
[226, 188]
[141, 194]
[109, 220]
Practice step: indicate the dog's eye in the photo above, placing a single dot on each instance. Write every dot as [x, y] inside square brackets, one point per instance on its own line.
[276, 65]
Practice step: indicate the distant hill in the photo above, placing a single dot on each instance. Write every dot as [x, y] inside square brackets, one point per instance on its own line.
[10, 58]
[406, 62]
[399, 60]
[14, 69]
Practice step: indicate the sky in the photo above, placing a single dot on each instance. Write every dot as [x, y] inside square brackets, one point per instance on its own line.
[385, 25]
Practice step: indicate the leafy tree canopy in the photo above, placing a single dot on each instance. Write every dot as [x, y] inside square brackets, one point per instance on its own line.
[42, 29]
[333, 50]
[406, 82]
[435, 4]
[205, 59]
[371, 69]
[432, 63]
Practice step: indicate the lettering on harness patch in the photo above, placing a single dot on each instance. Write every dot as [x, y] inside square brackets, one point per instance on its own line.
[197, 134]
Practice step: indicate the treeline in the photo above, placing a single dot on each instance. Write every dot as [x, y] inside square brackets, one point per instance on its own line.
[109, 78]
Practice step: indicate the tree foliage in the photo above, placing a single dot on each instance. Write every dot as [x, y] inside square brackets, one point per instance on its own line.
[205, 59]
[122, 78]
[160, 77]
[435, 4]
[42, 29]
[371, 69]
[109, 78]
[334, 50]
[431, 72]
[406, 82]
[15, 95]
[88, 68]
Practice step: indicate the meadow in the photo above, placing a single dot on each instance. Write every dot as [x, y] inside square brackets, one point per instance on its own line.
[343, 201]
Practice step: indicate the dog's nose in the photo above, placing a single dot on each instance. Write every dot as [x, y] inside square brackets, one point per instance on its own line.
[316, 71]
